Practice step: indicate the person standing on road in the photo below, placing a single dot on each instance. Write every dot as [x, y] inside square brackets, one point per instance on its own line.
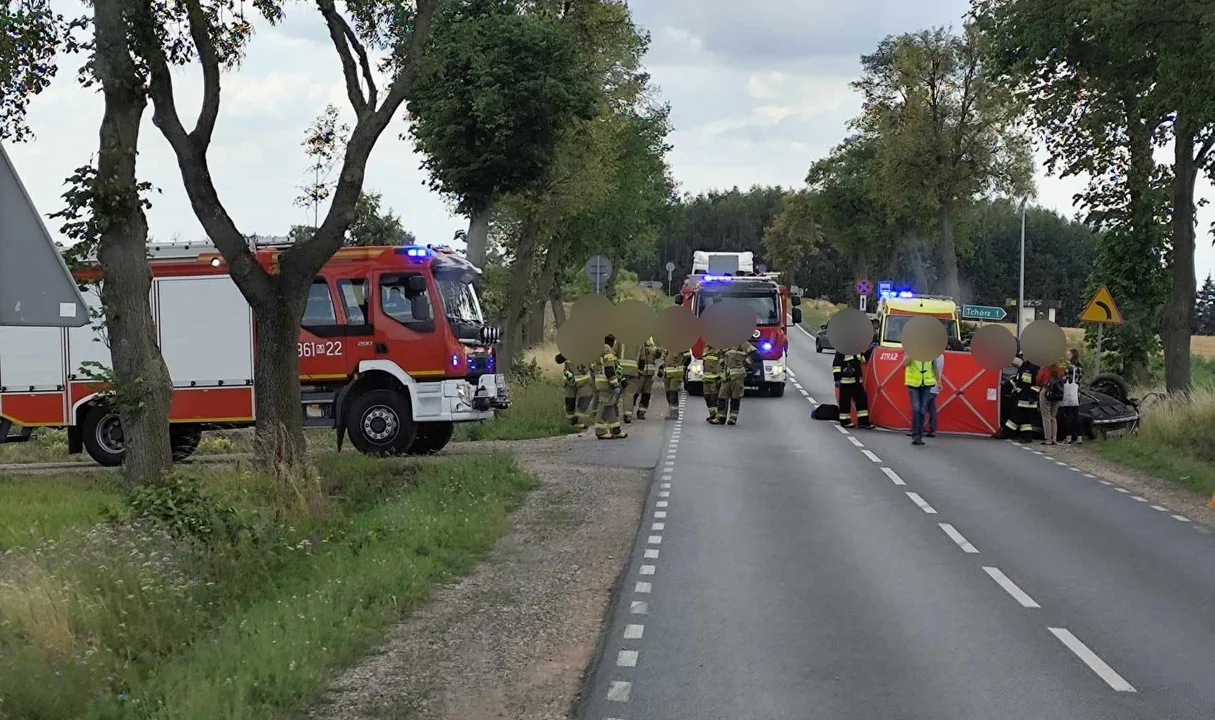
[646, 362]
[1050, 379]
[712, 379]
[734, 377]
[578, 392]
[1069, 406]
[850, 383]
[673, 364]
[607, 392]
[630, 372]
[919, 376]
[1020, 424]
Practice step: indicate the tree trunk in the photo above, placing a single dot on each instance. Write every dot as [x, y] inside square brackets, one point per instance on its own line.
[517, 290]
[558, 304]
[143, 390]
[553, 260]
[281, 446]
[949, 254]
[1178, 320]
[478, 235]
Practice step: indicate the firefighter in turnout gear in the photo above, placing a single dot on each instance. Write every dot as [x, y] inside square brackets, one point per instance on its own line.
[712, 380]
[673, 364]
[647, 361]
[630, 371]
[734, 364]
[850, 381]
[607, 393]
[578, 392]
[1020, 423]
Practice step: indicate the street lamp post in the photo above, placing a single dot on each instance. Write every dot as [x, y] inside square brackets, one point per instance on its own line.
[1021, 288]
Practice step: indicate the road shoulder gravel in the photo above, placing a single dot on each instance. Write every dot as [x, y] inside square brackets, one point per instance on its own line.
[514, 637]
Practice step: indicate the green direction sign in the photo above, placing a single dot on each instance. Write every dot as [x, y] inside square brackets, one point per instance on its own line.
[983, 312]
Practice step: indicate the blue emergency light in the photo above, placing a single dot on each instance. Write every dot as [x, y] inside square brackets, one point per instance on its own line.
[414, 251]
[906, 294]
[717, 278]
[765, 346]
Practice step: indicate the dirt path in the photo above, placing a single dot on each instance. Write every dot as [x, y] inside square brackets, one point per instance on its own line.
[512, 639]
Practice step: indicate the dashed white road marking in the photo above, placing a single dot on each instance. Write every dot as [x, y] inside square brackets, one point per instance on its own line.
[1158, 508]
[660, 514]
[1074, 469]
[664, 493]
[654, 540]
[1140, 499]
[618, 691]
[651, 554]
[1123, 490]
[658, 526]
[661, 503]
[1060, 462]
[803, 392]
[855, 442]
[665, 485]
[842, 429]
[869, 454]
[626, 658]
[1107, 483]
[957, 538]
[1010, 587]
[1038, 452]
[646, 570]
[812, 400]
[1090, 476]
[1181, 518]
[894, 477]
[1096, 664]
[633, 632]
[642, 587]
[639, 607]
[915, 498]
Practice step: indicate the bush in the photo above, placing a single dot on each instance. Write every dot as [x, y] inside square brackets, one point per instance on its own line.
[524, 372]
[181, 505]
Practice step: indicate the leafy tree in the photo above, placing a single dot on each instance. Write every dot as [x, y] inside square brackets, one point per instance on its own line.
[1204, 311]
[323, 141]
[491, 102]
[374, 225]
[949, 132]
[277, 294]
[105, 206]
[1050, 59]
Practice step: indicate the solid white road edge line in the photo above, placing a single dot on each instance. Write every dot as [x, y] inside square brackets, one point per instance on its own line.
[957, 538]
[915, 498]
[869, 454]
[1096, 664]
[894, 477]
[1010, 587]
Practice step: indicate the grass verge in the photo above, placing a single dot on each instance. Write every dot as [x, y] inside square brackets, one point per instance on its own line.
[1175, 441]
[34, 508]
[537, 409]
[212, 603]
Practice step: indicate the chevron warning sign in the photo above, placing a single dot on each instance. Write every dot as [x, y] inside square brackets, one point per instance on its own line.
[1101, 309]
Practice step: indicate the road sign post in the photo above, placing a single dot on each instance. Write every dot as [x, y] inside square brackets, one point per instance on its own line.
[598, 270]
[1103, 311]
[670, 269]
[984, 313]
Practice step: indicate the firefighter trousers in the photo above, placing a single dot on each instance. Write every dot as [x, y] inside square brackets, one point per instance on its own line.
[607, 418]
[712, 383]
[729, 400]
[645, 388]
[628, 393]
[1020, 423]
[854, 394]
[578, 404]
[670, 384]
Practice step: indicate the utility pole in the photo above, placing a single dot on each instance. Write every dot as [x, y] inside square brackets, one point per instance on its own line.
[1021, 289]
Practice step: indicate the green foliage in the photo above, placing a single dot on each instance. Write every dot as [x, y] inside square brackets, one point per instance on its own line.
[323, 142]
[537, 409]
[1204, 310]
[492, 98]
[523, 371]
[180, 503]
[32, 33]
[374, 225]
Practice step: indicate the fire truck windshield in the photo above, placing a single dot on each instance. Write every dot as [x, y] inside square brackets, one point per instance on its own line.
[459, 300]
[766, 306]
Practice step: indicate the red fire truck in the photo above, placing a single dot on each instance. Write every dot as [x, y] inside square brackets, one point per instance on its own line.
[718, 276]
[393, 350]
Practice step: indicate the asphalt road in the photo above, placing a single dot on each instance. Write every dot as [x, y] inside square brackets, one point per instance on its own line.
[785, 569]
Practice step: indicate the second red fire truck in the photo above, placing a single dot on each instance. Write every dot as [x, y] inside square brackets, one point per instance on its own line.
[719, 276]
[393, 351]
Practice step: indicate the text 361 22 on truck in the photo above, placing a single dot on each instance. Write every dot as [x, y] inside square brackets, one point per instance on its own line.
[393, 350]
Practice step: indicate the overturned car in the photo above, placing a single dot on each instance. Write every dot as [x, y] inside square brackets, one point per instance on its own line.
[1106, 408]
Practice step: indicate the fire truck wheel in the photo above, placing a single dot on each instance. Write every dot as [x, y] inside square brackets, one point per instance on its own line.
[694, 389]
[432, 437]
[381, 423]
[776, 389]
[102, 436]
[184, 440]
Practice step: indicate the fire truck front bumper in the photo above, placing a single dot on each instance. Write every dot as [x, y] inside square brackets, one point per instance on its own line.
[490, 393]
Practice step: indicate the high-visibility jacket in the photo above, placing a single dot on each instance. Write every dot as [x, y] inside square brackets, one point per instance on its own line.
[628, 364]
[673, 363]
[1027, 385]
[608, 370]
[847, 368]
[919, 374]
[576, 375]
[735, 360]
[712, 363]
[649, 356]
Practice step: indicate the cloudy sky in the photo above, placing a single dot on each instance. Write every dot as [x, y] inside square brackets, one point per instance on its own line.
[757, 94]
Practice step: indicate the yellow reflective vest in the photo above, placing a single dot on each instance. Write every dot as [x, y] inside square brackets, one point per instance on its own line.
[919, 374]
[712, 363]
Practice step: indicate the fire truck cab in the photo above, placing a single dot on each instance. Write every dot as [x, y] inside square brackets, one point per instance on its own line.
[393, 350]
[719, 276]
